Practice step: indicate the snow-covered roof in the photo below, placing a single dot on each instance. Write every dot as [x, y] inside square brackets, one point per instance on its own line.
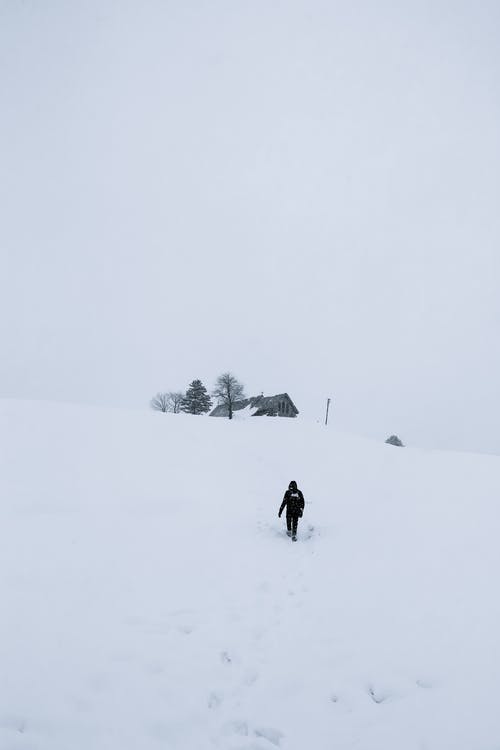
[258, 406]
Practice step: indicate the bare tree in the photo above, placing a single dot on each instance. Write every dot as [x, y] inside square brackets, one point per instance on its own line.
[160, 402]
[174, 401]
[170, 401]
[228, 390]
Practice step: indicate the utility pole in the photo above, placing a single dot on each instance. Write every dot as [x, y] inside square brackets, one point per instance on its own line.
[327, 409]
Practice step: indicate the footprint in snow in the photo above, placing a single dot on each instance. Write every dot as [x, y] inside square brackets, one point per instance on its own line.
[258, 633]
[376, 695]
[241, 728]
[235, 727]
[155, 667]
[250, 678]
[425, 684]
[13, 723]
[215, 699]
[274, 736]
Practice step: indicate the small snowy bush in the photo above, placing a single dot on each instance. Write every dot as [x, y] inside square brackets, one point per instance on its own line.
[394, 440]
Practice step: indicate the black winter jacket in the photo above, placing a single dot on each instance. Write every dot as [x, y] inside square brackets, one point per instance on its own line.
[293, 501]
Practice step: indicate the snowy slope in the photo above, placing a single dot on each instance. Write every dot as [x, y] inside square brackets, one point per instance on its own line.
[150, 599]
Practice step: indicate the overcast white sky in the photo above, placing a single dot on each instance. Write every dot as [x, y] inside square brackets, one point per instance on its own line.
[305, 193]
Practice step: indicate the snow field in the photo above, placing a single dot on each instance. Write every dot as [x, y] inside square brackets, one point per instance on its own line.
[151, 599]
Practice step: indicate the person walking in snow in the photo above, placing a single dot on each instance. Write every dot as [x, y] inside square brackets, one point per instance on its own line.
[293, 501]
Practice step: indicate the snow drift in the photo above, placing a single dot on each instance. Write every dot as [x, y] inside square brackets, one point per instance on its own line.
[150, 598]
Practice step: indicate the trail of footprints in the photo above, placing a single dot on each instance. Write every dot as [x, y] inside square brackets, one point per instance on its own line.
[248, 736]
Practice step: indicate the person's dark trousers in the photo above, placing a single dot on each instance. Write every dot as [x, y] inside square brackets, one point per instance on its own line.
[292, 520]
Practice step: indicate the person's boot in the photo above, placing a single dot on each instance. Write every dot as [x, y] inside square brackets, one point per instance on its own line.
[288, 533]
[294, 537]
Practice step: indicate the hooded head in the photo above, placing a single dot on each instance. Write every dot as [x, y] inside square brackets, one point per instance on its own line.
[292, 486]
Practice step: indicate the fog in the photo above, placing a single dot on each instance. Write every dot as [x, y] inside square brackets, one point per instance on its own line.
[304, 193]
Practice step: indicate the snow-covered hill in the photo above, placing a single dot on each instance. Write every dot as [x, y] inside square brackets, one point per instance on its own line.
[151, 600]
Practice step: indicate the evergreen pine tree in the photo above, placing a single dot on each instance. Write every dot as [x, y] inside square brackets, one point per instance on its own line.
[196, 400]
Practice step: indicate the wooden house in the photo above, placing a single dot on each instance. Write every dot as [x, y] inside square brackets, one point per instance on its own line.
[280, 405]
